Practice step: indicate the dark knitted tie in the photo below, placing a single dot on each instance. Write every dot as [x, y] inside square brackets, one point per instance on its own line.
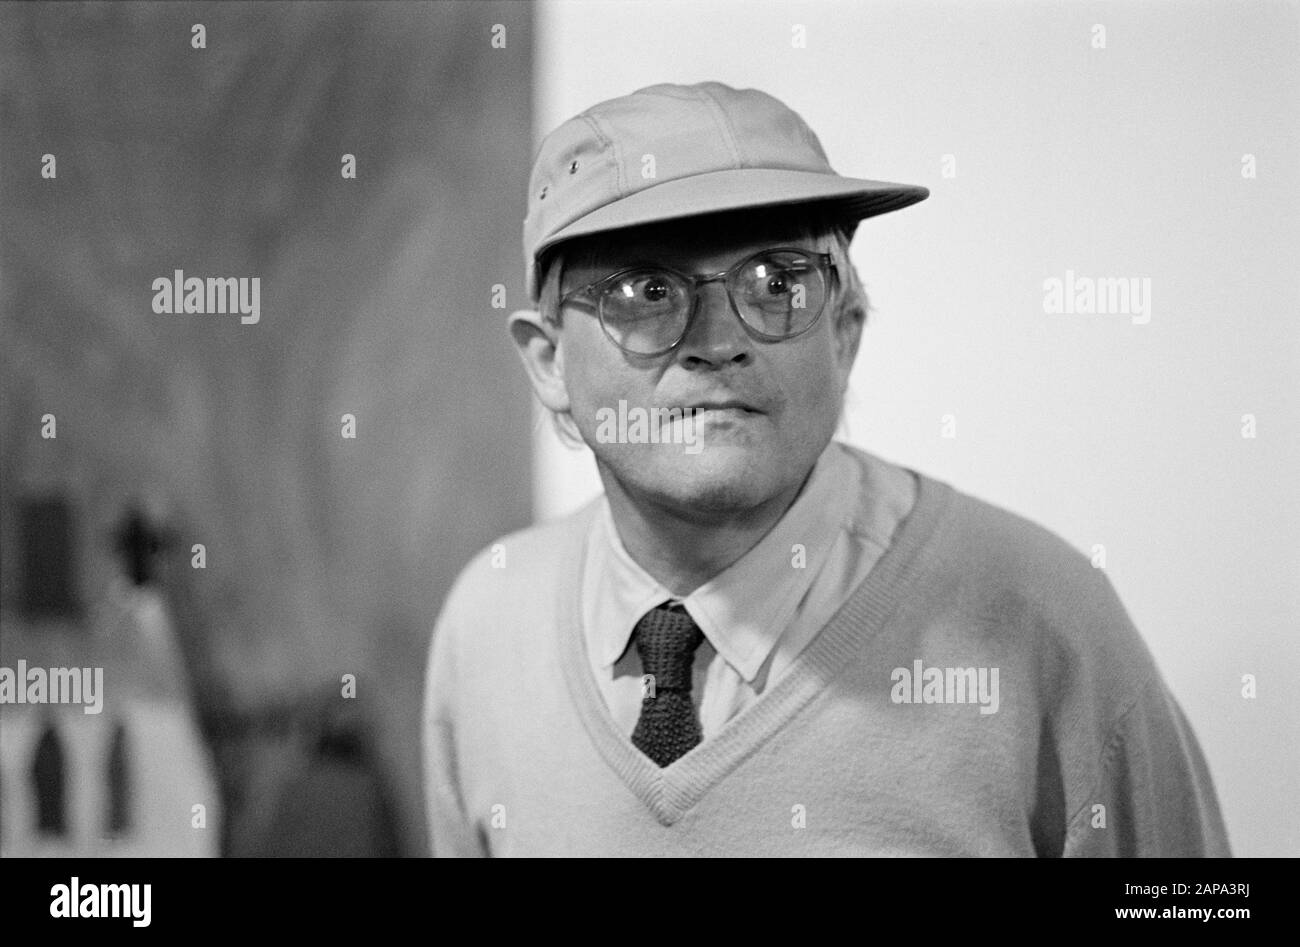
[666, 639]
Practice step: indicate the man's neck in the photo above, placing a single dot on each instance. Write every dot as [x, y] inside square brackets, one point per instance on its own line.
[680, 548]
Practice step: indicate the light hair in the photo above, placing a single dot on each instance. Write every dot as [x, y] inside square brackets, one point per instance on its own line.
[849, 298]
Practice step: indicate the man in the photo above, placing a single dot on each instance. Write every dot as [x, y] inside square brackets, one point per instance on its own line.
[760, 641]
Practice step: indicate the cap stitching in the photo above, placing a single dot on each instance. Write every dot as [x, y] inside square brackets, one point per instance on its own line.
[612, 146]
[728, 132]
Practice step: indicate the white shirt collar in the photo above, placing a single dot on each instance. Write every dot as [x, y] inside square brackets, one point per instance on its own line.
[744, 609]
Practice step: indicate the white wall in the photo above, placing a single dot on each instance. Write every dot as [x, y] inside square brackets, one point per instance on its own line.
[1117, 162]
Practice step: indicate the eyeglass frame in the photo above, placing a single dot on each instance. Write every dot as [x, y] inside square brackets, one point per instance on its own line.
[827, 268]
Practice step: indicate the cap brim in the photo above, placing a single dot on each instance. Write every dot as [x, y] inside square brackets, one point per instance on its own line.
[741, 189]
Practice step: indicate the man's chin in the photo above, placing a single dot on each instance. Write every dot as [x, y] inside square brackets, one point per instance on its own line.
[723, 479]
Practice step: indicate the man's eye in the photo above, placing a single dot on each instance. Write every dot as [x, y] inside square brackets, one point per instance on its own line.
[774, 285]
[654, 290]
[644, 289]
[777, 284]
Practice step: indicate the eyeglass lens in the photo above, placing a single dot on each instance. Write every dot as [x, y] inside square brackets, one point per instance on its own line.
[777, 293]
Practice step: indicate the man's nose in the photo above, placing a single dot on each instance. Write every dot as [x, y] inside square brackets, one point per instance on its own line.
[716, 336]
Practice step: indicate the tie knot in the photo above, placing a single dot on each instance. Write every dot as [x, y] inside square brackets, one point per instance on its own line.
[666, 639]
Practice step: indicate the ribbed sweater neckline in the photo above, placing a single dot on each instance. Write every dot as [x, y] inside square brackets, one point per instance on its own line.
[670, 792]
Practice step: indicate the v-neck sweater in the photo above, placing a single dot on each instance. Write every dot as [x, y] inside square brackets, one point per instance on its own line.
[1084, 752]
[760, 612]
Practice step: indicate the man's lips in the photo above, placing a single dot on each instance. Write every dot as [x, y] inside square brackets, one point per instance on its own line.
[722, 405]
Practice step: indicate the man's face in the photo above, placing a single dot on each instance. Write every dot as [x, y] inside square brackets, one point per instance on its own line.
[792, 389]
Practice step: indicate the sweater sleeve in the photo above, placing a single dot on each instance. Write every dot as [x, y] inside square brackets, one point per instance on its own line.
[1154, 796]
[451, 832]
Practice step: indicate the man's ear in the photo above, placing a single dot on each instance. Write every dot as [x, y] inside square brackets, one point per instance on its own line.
[538, 343]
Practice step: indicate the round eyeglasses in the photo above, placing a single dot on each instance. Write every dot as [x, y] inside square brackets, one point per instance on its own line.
[647, 309]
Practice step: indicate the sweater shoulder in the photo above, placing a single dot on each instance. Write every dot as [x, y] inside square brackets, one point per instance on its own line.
[1023, 581]
[520, 570]
[1014, 548]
